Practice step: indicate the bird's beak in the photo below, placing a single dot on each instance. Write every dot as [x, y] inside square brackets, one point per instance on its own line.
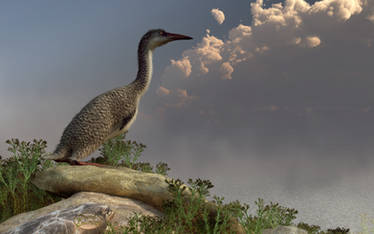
[173, 37]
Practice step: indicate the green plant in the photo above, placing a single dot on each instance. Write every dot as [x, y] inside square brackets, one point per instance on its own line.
[338, 230]
[17, 193]
[118, 152]
[269, 216]
[201, 186]
[185, 214]
[365, 222]
[162, 168]
[312, 229]
[190, 214]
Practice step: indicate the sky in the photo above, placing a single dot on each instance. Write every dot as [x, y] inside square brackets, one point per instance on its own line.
[271, 99]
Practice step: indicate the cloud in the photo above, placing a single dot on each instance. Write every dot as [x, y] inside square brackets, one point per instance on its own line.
[162, 91]
[370, 11]
[227, 70]
[182, 93]
[340, 9]
[207, 52]
[218, 15]
[312, 41]
[180, 99]
[371, 18]
[291, 61]
[183, 64]
[292, 23]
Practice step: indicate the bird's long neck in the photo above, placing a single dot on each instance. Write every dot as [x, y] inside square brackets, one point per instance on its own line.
[144, 76]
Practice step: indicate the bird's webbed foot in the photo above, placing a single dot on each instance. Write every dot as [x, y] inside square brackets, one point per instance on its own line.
[74, 162]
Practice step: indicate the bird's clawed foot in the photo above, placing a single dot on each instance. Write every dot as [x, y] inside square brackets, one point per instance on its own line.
[79, 163]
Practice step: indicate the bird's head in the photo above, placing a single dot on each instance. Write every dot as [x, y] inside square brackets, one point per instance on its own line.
[158, 37]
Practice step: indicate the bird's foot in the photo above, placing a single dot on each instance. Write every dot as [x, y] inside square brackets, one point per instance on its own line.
[79, 163]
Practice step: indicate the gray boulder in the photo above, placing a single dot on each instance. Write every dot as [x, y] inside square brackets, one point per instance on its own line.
[147, 187]
[86, 218]
[84, 212]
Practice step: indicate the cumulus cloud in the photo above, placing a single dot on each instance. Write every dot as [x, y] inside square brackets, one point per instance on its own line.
[292, 23]
[183, 65]
[312, 41]
[340, 9]
[180, 99]
[207, 52]
[218, 15]
[182, 93]
[162, 91]
[370, 10]
[278, 34]
[371, 18]
[227, 70]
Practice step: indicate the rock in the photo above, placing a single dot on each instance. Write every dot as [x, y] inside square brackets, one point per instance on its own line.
[86, 218]
[84, 212]
[147, 187]
[285, 230]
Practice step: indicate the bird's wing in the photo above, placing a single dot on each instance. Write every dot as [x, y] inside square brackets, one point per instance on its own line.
[119, 127]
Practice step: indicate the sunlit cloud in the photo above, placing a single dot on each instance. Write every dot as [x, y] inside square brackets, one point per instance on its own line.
[218, 15]
[312, 41]
[227, 70]
[183, 65]
[162, 91]
[294, 22]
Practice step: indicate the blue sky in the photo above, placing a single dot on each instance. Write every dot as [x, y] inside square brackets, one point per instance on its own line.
[290, 111]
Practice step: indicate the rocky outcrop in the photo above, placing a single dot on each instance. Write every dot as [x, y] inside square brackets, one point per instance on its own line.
[84, 212]
[87, 218]
[102, 195]
[147, 187]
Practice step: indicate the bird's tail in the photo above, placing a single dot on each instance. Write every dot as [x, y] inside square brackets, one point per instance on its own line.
[59, 153]
[53, 156]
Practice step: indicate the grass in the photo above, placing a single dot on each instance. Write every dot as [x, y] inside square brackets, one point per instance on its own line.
[181, 214]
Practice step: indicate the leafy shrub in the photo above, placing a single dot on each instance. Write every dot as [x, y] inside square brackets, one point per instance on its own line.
[185, 214]
[309, 228]
[118, 152]
[17, 193]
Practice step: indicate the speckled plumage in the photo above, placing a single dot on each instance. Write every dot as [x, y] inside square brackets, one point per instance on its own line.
[112, 113]
[101, 119]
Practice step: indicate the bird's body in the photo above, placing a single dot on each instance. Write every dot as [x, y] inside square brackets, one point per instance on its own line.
[111, 113]
[103, 118]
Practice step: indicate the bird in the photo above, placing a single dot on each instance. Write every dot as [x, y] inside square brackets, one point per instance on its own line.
[111, 113]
